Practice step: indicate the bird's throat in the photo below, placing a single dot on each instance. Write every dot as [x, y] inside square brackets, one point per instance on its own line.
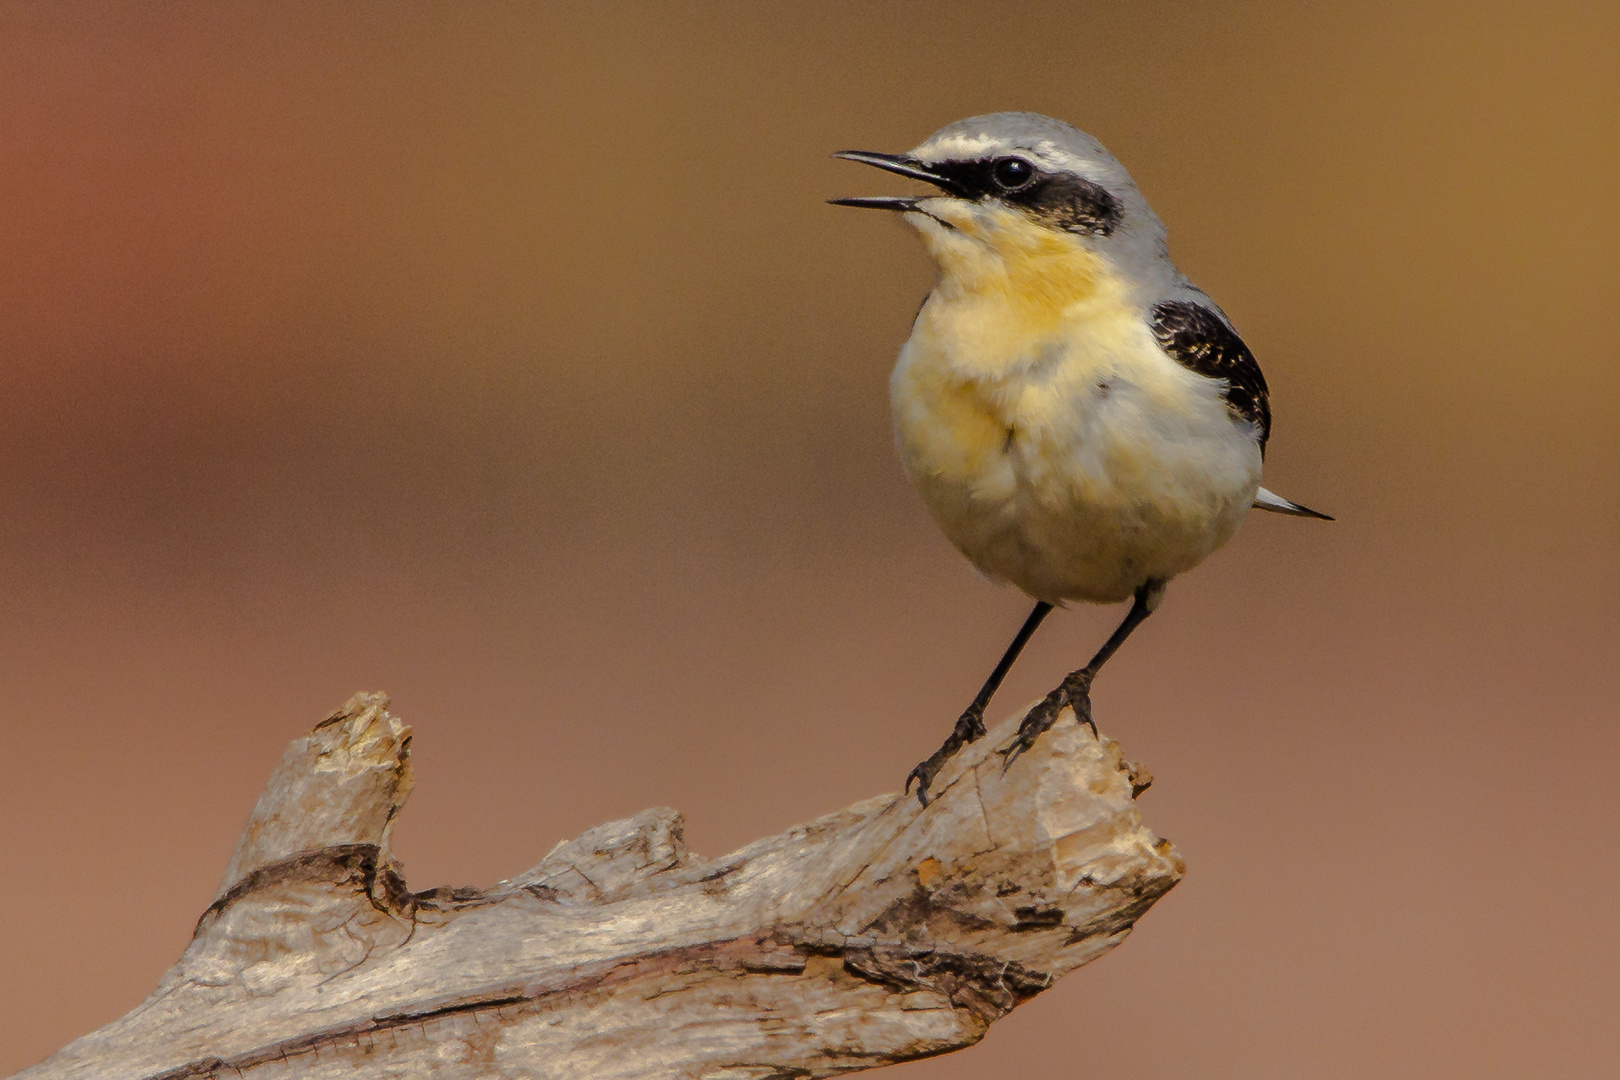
[1008, 285]
[997, 309]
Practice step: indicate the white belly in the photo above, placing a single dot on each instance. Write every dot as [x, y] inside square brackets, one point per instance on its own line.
[1080, 473]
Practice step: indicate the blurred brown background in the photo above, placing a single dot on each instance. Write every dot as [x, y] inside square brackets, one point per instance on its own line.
[505, 357]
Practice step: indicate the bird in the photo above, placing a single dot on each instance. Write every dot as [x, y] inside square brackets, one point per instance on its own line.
[1082, 421]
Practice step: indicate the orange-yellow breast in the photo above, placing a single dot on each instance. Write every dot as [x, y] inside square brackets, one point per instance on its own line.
[1056, 444]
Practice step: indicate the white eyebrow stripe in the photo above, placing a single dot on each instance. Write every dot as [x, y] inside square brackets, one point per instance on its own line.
[954, 146]
[1045, 153]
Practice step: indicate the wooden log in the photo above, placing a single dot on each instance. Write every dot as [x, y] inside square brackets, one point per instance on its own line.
[878, 934]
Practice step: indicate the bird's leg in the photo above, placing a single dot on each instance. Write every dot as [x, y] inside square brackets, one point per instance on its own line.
[1075, 690]
[970, 725]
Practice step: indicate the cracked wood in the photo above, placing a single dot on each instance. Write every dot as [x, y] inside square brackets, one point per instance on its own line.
[880, 933]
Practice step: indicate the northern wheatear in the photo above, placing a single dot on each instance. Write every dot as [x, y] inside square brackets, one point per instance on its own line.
[1081, 419]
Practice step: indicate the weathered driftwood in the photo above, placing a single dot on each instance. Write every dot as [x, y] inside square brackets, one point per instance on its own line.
[878, 934]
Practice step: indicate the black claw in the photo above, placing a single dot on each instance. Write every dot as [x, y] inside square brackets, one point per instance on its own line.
[1011, 754]
[924, 774]
[1079, 699]
[918, 775]
[969, 728]
[1074, 693]
[1021, 743]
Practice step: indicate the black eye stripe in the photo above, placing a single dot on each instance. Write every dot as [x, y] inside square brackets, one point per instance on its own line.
[1067, 201]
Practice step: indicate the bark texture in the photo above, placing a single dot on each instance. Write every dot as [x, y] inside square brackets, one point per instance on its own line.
[878, 934]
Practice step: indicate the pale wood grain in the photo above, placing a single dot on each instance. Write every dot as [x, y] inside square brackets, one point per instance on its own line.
[877, 934]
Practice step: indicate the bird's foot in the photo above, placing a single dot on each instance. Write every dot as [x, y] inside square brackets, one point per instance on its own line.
[1074, 692]
[969, 727]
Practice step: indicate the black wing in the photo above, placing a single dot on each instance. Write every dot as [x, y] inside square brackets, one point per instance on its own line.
[1199, 340]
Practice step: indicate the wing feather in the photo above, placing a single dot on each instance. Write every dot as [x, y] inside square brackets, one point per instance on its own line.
[1200, 340]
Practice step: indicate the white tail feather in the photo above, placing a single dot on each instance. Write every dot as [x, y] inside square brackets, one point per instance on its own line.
[1265, 500]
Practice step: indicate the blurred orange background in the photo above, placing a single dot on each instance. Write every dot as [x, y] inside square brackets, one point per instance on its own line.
[506, 357]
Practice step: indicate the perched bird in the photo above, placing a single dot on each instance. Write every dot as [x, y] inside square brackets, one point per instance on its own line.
[1081, 419]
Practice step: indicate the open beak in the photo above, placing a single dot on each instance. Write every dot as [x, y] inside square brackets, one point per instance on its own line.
[895, 163]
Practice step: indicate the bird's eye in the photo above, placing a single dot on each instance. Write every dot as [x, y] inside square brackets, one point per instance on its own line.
[1012, 173]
